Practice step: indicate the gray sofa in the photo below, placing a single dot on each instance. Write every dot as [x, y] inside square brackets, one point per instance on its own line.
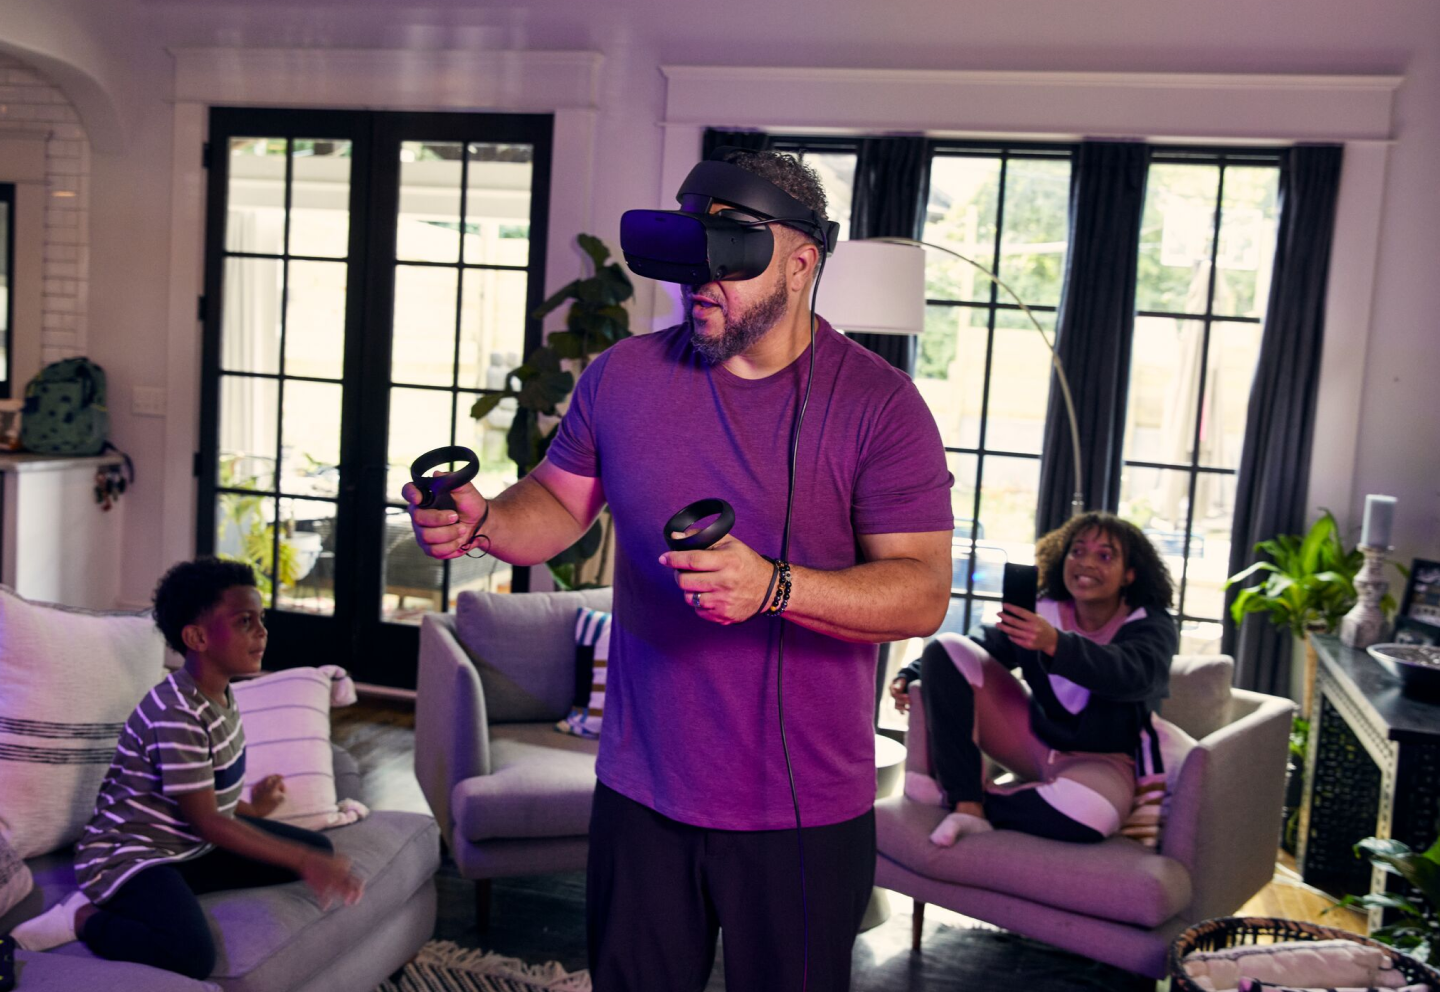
[1116, 901]
[512, 795]
[275, 939]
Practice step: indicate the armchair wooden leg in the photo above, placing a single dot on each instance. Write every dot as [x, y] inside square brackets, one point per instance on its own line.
[482, 904]
[917, 924]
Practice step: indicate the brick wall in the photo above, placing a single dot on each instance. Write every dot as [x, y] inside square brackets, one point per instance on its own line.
[30, 103]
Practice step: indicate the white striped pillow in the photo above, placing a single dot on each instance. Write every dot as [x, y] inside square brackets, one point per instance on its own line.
[286, 716]
[592, 661]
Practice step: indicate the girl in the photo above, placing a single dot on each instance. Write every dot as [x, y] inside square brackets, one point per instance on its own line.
[1095, 656]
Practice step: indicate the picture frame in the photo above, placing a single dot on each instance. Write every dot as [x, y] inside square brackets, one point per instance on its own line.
[1409, 630]
[10, 424]
[1422, 592]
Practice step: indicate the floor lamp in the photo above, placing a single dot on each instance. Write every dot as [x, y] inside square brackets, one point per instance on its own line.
[877, 286]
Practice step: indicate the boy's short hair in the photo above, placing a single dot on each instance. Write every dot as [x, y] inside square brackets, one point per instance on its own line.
[192, 587]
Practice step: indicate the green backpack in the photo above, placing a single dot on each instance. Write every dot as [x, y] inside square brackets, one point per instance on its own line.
[65, 412]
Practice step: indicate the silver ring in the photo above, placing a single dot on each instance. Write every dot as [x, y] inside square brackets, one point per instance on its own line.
[695, 600]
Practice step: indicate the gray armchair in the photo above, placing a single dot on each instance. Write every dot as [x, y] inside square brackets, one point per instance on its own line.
[512, 796]
[1117, 901]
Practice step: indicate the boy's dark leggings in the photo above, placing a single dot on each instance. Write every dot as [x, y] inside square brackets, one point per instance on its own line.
[155, 917]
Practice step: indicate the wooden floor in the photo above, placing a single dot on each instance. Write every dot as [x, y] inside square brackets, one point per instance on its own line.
[541, 918]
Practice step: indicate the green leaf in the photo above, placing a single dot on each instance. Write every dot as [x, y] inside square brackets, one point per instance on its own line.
[567, 344]
[595, 248]
[485, 404]
[553, 301]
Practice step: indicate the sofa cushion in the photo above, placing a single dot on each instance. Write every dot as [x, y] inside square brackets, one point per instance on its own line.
[50, 972]
[524, 649]
[541, 784]
[286, 715]
[1199, 701]
[71, 678]
[1117, 879]
[276, 937]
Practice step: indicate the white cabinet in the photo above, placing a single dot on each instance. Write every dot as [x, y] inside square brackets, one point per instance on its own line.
[56, 544]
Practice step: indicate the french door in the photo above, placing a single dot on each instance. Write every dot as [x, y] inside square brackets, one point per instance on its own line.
[368, 276]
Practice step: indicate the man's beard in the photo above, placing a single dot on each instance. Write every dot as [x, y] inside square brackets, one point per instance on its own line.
[740, 332]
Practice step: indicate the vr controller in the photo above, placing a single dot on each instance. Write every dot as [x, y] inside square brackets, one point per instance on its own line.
[694, 513]
[435, 489]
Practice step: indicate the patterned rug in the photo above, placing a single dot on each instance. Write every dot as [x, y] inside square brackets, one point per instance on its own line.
[444, 966]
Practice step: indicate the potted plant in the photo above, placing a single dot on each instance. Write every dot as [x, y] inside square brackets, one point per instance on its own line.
[1308, 585]
[597, 319]
[1416, 931]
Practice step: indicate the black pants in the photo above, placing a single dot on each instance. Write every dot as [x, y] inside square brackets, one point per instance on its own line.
[659, 891]
[155, 917]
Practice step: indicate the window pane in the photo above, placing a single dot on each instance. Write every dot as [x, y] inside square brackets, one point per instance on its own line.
[1234, 353]
[960, 214]
[497, 204]
[1176, 234]
[423, 339]
[307, 557]
[250, 321]
[1020, 367]
[428, 229]
[1246, 255]
[1036, 226]
[1157, 501]
[320, 198]
[1198, 637]
[487, 438]
[413, 580]
[255, 197]
[492, 322]
[1210, 545]
[315, 319]
[957, 618]
[950, 371]
[247, 432]
[837, 173]
[1164, 385]
[245, 531]
[310, 446]
[962, 503]
[1008, 493]
[419, 421]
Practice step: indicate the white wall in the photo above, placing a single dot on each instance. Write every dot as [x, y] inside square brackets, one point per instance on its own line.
[1397, 433]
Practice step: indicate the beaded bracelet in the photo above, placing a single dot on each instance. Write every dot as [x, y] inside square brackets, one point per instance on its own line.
[774, 574]
[781, 601]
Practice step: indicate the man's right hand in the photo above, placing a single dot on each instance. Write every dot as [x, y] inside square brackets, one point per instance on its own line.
[443, 533]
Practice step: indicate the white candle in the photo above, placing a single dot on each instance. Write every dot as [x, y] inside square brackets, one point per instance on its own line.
[1379, 521]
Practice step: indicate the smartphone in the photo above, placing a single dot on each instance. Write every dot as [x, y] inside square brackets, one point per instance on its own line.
[1019, 585]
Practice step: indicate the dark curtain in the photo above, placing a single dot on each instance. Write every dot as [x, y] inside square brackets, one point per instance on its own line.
[1270, 493]
[751, 141]
[890, 176]
[1095, 325]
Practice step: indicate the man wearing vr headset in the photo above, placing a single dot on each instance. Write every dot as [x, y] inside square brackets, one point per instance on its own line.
[693, 828]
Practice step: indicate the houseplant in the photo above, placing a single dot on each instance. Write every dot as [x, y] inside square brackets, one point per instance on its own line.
[1308, 586]
[597, 319]
[1417, 929]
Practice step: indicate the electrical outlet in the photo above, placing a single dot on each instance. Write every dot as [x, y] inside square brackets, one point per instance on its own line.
[148, 401]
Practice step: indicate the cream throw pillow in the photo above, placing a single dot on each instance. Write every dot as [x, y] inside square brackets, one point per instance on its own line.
[286, 716]
[70, 680]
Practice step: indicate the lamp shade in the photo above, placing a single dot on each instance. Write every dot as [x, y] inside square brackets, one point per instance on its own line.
[874, 287]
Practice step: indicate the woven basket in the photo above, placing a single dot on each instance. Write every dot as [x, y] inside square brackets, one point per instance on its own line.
[1235, 931]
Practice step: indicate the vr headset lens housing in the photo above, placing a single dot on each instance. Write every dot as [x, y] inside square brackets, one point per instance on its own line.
[694, 246]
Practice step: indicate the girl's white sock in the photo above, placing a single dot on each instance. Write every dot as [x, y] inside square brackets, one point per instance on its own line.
[958, 825]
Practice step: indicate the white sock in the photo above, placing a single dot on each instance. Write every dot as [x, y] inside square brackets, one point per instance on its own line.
[923, 789]
[958, 825]
[51, 928]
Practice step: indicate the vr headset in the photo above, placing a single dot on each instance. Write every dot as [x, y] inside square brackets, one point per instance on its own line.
[693, 246]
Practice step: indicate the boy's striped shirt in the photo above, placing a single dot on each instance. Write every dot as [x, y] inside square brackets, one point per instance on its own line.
[176, 741]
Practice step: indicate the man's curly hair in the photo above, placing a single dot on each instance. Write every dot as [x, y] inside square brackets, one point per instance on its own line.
[1153, 589]
[791, 175]
[190, 588]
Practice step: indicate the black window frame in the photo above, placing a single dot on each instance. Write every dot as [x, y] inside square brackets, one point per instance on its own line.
[1220, 156]
[7, 197]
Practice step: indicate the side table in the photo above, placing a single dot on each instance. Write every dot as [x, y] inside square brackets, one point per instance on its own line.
[1372, 768]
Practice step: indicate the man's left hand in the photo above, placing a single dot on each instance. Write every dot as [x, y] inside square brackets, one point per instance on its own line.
[1028, 630]
[730, 577]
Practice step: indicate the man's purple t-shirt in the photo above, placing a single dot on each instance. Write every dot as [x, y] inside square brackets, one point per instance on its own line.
[691, 728]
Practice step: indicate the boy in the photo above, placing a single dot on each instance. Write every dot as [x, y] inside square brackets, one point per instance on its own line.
[169, 824]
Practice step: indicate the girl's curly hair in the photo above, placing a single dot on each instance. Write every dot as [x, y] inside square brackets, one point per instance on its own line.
[1153, 589]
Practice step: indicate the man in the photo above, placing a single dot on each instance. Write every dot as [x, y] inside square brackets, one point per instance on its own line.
[693, 826]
